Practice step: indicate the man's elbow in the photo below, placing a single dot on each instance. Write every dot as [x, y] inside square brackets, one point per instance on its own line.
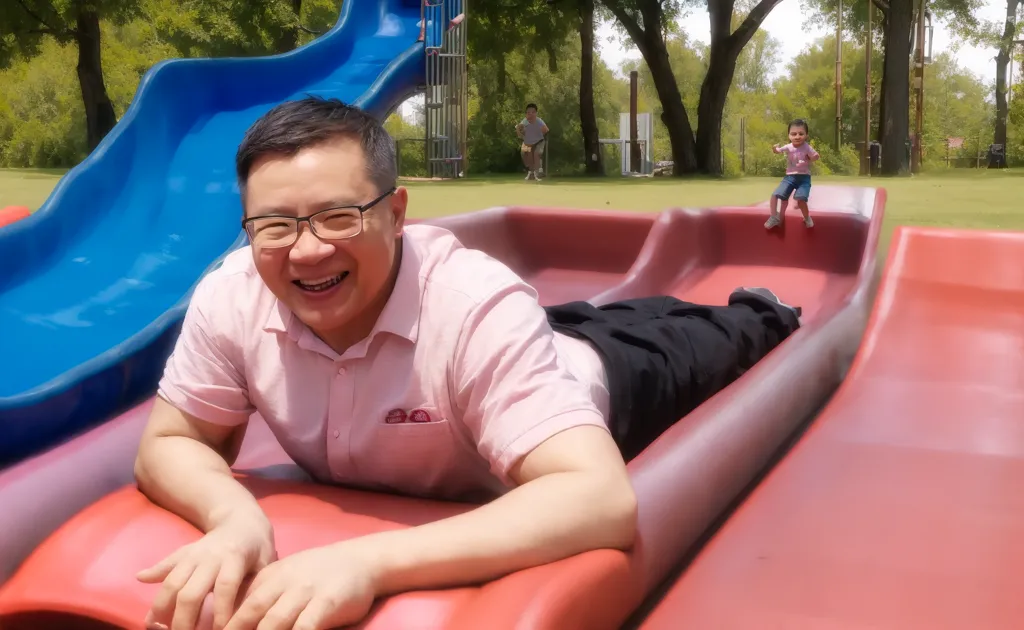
[620, 518]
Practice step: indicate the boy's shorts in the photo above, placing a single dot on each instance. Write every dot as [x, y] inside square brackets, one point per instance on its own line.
[799, 183]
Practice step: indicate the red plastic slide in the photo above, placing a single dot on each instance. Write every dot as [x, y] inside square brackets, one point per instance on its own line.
[84, 570]
[903, 505]
[10, 214]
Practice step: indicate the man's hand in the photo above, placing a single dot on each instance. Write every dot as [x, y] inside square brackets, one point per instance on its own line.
[218, 562]
[314, 589]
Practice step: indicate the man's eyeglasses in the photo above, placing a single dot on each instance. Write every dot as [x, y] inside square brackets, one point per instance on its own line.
[329, 224]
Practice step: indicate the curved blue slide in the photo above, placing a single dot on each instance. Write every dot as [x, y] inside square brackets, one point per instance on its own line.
[94, 286]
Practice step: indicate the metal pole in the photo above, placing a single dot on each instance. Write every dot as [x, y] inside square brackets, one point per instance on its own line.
[915, 156]
[635, 158]
[839, 76]
[865, 155]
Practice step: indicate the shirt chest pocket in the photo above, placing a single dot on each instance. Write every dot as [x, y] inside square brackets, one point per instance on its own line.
[407, 451]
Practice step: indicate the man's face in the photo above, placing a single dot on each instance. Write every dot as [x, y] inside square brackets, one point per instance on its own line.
[531, 114]
[328, 175]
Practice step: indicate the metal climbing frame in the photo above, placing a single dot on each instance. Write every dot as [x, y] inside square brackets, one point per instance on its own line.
[447, 87]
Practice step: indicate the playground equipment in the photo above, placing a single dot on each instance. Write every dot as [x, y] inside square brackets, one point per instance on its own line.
[75, 530]
[10, 214]
[900, 507]
[645, 129]
[131, 229]
[447, 91]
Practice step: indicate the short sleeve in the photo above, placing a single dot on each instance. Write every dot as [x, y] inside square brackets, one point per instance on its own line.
[541, 121]
[204, 376]
[811, 152]
[513, 390]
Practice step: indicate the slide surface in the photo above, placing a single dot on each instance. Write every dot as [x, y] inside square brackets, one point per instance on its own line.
[96, 282]
[902, 505]
[60, 559]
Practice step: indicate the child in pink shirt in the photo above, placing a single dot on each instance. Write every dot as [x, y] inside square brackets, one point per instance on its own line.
[799, 155]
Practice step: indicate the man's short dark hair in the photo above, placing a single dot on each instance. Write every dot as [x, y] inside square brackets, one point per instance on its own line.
[531, 105]
[799, 122]
[295, 125]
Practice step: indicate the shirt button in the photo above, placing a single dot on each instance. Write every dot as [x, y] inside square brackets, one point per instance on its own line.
[337, 433]
[342, 371]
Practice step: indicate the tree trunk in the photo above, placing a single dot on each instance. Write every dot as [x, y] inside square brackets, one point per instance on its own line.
[99, 112]
[895, 117]
[711, 108]
[725, 49]
[673, 114]
[651, 42]
[549, 46]
[588, 117]
[880, 134]
[1002, 59]
[289, 39]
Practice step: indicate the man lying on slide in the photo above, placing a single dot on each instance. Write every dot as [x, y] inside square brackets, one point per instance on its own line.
[391, 357]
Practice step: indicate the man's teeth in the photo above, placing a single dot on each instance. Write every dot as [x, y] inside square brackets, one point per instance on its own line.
[321, 284]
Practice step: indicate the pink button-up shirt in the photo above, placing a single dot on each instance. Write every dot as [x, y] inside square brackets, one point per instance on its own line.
[459, 379]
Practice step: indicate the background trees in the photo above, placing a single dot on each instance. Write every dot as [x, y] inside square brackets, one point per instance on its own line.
[68, 69]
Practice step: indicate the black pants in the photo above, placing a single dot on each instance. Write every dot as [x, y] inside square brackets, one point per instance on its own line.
[664, 357]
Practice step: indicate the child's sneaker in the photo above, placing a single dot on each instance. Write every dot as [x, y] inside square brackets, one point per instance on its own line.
[773, 221]
[808, 222]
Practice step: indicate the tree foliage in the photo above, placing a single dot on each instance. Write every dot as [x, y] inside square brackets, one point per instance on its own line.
[41, 110]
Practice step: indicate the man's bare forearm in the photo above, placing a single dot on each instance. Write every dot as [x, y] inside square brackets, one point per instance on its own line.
[550, 518]
[192, 480]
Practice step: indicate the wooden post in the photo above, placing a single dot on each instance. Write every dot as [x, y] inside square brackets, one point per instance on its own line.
[635, 155]
[915, 154]
[865, 155]
[839, 76]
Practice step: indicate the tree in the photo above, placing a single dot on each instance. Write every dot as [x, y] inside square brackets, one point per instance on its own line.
[231, 28]
[896, 28]
[647, 22]
[542, 28]
[23, 24]
[1006, 43]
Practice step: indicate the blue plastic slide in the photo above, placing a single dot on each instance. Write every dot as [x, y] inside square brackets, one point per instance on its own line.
[93, 286]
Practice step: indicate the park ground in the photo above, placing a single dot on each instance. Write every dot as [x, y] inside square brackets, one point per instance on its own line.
[956, 198]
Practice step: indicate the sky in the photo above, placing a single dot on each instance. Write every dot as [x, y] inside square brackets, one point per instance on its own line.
[785, 24]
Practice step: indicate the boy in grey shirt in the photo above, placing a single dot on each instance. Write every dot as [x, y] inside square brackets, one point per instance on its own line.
[532, 131]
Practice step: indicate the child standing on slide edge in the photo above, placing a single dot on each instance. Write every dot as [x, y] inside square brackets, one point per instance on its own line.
[799, 156]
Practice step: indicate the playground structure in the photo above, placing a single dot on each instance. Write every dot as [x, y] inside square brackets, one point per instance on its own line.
[900, 494]
[447, 89]
[83, 498]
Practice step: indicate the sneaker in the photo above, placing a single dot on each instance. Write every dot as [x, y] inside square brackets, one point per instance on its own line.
[769, 295]
[529, 175]
[808, 222]
[773, 221]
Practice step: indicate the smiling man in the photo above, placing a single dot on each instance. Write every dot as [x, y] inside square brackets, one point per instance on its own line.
[390, 357]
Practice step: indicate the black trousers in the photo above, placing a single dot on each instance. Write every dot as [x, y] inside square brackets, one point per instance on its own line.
[664, 357]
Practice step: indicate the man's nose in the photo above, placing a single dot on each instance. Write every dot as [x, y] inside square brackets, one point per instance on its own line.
[308, 248]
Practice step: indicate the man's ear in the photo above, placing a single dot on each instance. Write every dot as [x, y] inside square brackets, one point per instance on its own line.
[399, 204]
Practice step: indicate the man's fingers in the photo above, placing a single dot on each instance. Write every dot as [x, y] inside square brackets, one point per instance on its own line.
[190, 598]
[162, 610]
[225, 591]
[255, 606]
[160, 570]
[285, 611]
[317, 615]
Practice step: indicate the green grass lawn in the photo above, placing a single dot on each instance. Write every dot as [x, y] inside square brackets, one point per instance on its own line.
[960, 198]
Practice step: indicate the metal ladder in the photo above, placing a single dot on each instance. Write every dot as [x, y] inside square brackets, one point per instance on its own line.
[447, 87]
